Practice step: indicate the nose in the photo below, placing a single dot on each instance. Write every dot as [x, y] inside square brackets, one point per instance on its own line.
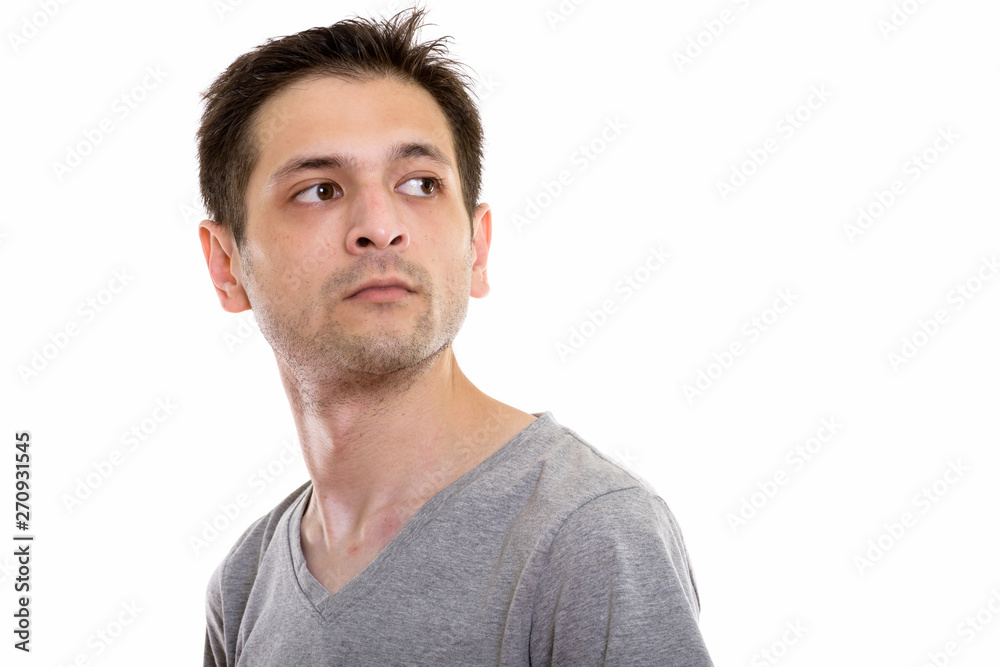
[375, 223]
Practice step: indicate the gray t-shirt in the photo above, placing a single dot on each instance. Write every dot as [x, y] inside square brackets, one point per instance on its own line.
[546, 553]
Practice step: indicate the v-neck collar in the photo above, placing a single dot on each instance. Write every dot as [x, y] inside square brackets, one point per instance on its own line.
[328, 606]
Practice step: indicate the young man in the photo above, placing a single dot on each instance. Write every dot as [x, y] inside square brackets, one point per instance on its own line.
[341, 167]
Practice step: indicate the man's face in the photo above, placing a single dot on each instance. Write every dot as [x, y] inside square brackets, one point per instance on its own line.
[356, 186]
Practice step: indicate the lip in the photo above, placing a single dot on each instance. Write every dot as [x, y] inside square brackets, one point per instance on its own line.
[387, 287]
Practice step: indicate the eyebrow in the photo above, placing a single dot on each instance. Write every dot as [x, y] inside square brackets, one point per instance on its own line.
[399, 151]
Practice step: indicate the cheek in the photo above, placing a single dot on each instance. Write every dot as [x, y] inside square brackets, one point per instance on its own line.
[459, 273]
[278, 277]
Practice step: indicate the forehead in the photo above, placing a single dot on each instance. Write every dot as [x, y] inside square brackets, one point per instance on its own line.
[335, 115]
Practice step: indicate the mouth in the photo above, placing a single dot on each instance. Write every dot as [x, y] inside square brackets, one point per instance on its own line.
[381, 290]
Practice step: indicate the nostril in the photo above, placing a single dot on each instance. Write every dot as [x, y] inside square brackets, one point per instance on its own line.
[363, 242]
[396, 241]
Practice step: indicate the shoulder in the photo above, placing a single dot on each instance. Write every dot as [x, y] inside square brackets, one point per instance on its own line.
[232, 581]
[245, 555]
[570, 465]
[616, 586]
[611, 517]
[630, 532]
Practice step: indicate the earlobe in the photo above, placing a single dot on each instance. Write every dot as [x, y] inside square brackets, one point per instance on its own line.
[482, 237]
[218, 247]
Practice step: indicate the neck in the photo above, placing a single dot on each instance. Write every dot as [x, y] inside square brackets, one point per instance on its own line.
[377, 447]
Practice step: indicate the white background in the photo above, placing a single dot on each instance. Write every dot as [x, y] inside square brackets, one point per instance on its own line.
[551, 84]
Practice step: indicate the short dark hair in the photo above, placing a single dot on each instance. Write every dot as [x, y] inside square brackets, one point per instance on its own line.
[355, 49]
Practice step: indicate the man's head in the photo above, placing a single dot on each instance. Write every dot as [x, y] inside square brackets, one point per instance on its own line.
[356, 49]
[343, 198]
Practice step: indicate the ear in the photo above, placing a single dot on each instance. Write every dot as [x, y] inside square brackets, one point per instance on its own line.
[482, 235]
[219, 247]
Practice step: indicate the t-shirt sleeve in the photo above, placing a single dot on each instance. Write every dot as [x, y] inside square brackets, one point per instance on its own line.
[618, 589]
[215, 641]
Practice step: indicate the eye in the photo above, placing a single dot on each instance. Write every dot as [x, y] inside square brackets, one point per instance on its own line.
[319, 192]
[421, 186]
